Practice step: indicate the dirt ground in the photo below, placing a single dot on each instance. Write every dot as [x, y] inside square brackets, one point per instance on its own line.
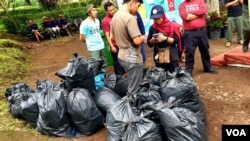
[225, 95]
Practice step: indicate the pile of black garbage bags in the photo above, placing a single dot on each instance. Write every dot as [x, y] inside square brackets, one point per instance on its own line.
[167, 106]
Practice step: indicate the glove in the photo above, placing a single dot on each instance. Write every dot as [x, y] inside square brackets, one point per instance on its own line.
[161, 38]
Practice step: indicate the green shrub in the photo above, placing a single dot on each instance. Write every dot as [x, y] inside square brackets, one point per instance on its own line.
[16, 21]
[16, 25]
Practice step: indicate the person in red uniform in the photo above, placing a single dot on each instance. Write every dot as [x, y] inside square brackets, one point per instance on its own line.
[110, 10]
[193, 13]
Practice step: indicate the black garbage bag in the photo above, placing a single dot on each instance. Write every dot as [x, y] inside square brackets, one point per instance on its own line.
[52, 119]
[43, 85]
[180, 124]
[14, 96]
[14, 104]
[142, 129]
[85, 116]
[118, 118]
[78, 74]
[180, 85]
[62, 86]
[148, 112]
[116, 83]
[96, 65]
[155, 75]
[105, 98]
[17, 88]
[148, 93]
[29, 109]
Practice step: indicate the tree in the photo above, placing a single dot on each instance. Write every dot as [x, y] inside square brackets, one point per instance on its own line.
[4, 4]
[48, 4]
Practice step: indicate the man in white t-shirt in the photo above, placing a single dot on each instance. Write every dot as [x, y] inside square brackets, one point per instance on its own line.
[90, 34]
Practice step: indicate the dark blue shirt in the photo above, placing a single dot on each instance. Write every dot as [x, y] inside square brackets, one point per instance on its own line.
[234, 11]
[63, 22]
[33, 27]
[53, 23]
[140, 23]
[46, 24]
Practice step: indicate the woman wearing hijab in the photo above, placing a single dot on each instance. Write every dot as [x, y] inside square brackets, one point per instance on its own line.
[164, 36]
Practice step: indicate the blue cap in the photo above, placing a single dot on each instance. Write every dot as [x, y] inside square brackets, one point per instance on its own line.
[156, 12]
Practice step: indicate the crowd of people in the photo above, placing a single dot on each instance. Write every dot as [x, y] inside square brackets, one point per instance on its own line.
[125, 34]
[171, 42]
[52, 27]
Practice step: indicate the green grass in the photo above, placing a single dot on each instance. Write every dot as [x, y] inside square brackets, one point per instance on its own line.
[14, 67]
[2, 27]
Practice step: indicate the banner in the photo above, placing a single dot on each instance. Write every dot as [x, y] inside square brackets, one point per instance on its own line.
[170, 8]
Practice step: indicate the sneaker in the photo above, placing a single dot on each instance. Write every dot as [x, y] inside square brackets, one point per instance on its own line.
[228, 44]
[241, 42]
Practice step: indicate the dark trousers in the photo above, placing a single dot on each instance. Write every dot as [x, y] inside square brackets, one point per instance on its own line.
[168, 66]
[192, 40]
[134, 73]
[143, 53]
[117, 66]
[246, 36]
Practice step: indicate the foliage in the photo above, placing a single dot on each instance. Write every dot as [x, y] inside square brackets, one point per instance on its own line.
[223, 14]
[4, 4]
[48, 4]
[17, 23]
[215, 21]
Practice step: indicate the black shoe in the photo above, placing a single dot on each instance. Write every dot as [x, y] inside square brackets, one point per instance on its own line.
[245, 48]
[211, 70]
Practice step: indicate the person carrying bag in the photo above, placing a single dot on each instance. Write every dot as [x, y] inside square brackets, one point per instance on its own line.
[164, 36]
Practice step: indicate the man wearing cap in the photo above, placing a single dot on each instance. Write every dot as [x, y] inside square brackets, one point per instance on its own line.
[193, 13]
[47, 27]
[126, 33]
[90, 33]
[64, 23]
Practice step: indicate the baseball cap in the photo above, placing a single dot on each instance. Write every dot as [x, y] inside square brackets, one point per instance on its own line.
[156, 12]
[90, 7]
[44, 17]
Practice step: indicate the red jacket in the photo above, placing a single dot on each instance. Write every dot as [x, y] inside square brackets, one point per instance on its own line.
[196, 7]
